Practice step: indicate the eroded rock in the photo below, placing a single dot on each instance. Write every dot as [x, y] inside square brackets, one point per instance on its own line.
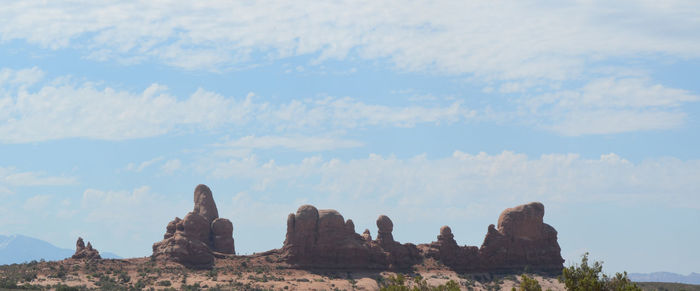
[83, 252]
[193, 240]
[222, 236]
[323, 239]
[522, 240]
[204, 204]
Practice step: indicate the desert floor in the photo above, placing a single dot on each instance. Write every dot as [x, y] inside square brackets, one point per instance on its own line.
[256, 272]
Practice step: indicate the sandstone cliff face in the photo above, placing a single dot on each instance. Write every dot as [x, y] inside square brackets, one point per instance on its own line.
[194, 240]
[323, 239]
[83, 252]
[522, 241]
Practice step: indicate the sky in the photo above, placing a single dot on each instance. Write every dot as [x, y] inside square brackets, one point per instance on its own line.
[431, 112]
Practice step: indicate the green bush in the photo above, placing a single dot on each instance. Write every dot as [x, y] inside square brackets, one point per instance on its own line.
[529, 284]
[585, 277]
[399, 283]
[165, 283]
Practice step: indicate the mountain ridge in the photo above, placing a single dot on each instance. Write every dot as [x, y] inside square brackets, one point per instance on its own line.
[669, 277]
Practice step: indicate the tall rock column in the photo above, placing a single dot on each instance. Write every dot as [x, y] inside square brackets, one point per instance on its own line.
[194, 240]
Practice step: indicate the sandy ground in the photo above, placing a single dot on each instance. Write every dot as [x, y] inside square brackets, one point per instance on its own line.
[246, 273]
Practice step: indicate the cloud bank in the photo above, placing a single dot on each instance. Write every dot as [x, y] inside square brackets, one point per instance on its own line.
[62, 109]
[555, 41]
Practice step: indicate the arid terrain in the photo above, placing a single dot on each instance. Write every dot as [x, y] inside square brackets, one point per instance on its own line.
[255, 272]
[321, 251]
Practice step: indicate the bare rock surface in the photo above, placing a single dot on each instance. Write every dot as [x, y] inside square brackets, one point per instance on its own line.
[83, 252]
[324, 239]
[193, 240]
[446, 250]
[222, 236]
[204, 204]
[521, 241]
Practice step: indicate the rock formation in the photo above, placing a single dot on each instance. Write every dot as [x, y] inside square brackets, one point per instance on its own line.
[323, 239]
[196, 239]
[522, 240]
[446, 250]
[83, 252]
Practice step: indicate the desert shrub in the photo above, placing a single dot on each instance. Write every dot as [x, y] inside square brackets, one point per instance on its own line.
[400, 283]
[165, 283]
[61, 287]
[8, 283]
[528, 284]
[585, 277]
[124, 277]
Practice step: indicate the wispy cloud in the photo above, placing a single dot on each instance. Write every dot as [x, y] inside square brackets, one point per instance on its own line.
[143, 165]
[610, 105]
[37, 203]
[10, 176]
[171, 166]
[297, 143]
[473, 179]
[61, 109]
[507, 40]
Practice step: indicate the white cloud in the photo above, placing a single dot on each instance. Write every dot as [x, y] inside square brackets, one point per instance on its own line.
[610, 105]
[11, 177]
[171, 166]
[503, 39]
[297, 143]
[64, 110]
[389, 182]
[465, 191]
[143, 165]
[37, 203]
[23, 77]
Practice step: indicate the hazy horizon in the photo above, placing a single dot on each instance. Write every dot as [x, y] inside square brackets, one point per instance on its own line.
[433, 113]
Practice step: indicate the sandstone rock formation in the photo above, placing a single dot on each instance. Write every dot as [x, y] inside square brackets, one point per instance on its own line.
[323, 239]
[196, 239]
[522, 240]
[446, 250]
[83, 252]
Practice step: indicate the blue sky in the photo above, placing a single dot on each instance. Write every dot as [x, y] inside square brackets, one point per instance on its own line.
[434, 113]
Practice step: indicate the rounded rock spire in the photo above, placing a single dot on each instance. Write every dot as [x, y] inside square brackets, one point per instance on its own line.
[384, 224]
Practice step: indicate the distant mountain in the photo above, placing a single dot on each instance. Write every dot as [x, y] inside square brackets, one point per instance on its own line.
[693, 278]
[20, 249]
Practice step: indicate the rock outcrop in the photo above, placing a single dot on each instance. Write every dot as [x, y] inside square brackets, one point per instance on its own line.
[323, 239]
[522, 241]
[196, 239]
[446, 250]
[83, 252]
